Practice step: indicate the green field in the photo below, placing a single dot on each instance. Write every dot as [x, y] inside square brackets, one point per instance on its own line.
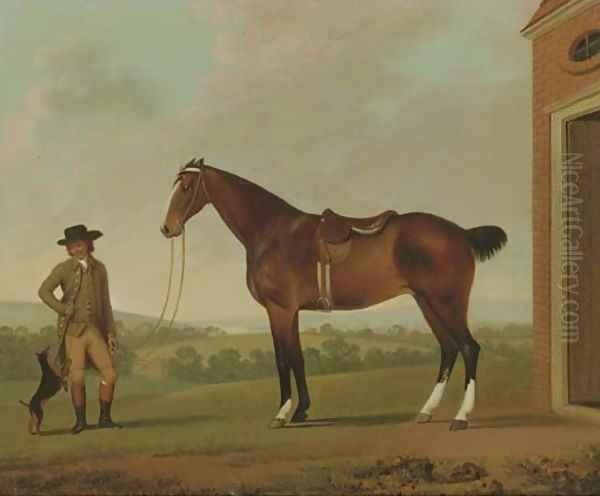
[229, 417]
[182, 439]
[178, 434]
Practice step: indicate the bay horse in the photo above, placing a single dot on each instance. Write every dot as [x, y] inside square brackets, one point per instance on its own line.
[416, 253]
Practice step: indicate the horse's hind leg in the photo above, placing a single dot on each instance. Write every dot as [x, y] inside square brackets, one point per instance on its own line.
[449, 352]
[453, 312]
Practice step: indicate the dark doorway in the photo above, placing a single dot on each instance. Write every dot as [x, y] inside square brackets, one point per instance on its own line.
[582, 215]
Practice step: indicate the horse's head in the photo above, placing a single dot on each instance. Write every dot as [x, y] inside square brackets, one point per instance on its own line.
[188, 197]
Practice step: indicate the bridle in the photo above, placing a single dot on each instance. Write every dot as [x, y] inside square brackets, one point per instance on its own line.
[196, 167]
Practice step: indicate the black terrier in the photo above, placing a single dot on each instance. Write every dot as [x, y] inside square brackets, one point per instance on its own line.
[50, 384]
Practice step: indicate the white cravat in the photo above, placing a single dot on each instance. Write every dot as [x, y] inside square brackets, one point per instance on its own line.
[84, 263]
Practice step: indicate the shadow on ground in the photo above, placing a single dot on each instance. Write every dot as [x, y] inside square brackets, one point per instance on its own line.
[141, 423]
[492, 422]
[363, 420]
[512, 421]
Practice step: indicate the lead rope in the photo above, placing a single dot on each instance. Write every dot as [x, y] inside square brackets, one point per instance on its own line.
[181, 278]
[146, 359]
[168, 296]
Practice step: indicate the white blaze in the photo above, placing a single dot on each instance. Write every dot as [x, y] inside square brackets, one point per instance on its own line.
[166, 209]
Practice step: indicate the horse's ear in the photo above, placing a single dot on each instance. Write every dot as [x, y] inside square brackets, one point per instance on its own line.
[200, 162]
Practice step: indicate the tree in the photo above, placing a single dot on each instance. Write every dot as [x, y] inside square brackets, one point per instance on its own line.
[328, 330]
[6, 331]
[375, 358]
[225, 366]
[186, 365]
[262, 363]
[48, 332]
[341, 355]
[365, 333]
[22, 332]
[312, 361]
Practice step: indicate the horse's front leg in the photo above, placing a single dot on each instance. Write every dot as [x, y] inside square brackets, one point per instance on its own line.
[297, 363]
[281, 322]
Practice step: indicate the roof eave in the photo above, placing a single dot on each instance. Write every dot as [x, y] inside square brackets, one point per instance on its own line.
[540, 26]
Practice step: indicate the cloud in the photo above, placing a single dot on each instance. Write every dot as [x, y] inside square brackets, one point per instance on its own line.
[81, 81]
[358, 106]
[18, 129]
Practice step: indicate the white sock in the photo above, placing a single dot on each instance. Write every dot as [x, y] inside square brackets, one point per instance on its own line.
[435, 398]
[285, 409]
[468, 402]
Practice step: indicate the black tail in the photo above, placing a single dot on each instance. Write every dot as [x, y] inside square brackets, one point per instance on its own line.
[486, 241]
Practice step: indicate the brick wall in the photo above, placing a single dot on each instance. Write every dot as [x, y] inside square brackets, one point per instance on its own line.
[554, 78]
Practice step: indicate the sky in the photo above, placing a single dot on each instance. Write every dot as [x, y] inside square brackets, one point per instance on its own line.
[412, 105]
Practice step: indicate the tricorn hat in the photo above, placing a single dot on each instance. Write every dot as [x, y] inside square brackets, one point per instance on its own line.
[78, 233]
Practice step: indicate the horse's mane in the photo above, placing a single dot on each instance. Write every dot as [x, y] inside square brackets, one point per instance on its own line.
[255, 189]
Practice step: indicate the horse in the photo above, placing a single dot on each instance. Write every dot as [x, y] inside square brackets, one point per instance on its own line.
[416, 253]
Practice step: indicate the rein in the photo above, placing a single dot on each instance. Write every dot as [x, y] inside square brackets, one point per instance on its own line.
[199, 181]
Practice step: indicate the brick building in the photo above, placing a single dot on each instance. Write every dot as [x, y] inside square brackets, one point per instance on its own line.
[565, 37]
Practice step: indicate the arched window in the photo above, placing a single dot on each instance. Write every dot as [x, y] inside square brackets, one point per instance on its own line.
[586, 47]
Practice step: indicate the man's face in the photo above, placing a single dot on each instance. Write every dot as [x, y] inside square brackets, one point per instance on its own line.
[78, 249]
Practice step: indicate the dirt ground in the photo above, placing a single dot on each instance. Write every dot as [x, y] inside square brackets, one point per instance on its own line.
[515, 452]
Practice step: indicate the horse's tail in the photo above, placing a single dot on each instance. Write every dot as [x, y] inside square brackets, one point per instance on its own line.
[486, 241]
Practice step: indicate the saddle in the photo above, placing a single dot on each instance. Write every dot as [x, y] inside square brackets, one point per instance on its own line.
[337, 228]
[334, 242]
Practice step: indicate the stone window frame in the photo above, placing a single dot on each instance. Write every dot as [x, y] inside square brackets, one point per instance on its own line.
[580, 67]
[585, 37]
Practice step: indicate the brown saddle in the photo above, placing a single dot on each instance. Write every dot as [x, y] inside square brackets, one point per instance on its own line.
[334, 242]
[337, 228]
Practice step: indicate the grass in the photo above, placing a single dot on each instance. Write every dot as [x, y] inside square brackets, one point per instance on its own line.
[226, 418]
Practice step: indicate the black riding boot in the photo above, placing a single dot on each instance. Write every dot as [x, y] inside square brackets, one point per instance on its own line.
[105, 420]
[80, 423]
[78, 395]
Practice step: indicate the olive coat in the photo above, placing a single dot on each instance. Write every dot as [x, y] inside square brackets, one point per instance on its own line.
[65, 275]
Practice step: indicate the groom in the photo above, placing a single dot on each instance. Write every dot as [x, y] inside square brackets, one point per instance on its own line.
[86, 326]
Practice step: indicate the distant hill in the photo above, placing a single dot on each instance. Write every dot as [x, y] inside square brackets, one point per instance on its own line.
[37, 315]
[480, 313]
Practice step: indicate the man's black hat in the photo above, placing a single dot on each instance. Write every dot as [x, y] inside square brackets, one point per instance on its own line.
[78, 233]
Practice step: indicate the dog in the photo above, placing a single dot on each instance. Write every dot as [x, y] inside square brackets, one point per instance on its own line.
[50, 384]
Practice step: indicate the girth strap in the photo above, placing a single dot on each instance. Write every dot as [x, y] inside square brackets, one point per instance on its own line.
[324, 281]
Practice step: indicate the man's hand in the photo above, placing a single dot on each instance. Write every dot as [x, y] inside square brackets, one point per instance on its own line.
[113, 344]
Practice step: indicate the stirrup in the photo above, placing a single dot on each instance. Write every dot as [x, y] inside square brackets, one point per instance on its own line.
[328, 307]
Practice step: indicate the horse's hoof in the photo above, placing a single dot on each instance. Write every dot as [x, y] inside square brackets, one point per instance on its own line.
[277, 423]
[458, 425]
[423, 418]
[299, 417]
